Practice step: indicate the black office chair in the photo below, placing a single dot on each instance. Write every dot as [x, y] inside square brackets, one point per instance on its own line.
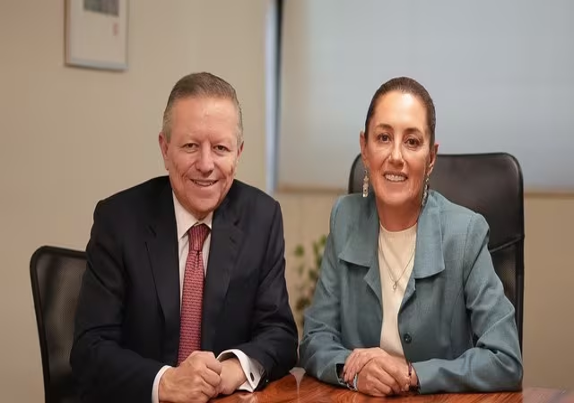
[490, 184]
[56, 276]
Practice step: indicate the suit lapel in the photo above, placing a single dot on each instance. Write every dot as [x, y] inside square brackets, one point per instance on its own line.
[162, 247]
[225, 245]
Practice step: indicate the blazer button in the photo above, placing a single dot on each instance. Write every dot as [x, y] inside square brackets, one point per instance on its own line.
[407, 338]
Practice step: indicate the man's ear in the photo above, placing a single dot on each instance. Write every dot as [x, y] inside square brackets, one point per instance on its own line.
[164, 143]
[240, 149]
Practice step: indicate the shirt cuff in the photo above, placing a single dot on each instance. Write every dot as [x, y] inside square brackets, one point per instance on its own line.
[252, 369]
[156, 385]
[339, 372]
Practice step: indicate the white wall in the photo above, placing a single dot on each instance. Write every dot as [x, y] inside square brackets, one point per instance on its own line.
[71, 136]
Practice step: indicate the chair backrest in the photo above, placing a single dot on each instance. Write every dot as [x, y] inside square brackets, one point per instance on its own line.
[490, 184]
[56, 276]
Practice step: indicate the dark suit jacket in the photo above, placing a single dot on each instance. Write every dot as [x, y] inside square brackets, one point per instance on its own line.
[128, 316]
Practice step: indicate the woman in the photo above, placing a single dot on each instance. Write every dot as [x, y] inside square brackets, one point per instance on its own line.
[408, 298]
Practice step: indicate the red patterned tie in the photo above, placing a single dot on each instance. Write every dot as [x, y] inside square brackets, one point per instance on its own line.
[192, 294]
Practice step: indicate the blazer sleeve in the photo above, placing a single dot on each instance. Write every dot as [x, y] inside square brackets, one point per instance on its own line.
[104, 370]
[274, 338]
[494, 363]
[321, 349]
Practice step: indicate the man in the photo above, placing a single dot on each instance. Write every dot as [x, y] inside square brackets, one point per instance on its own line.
[184, 296]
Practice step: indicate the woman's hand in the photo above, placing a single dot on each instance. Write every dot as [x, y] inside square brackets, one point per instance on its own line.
[375, 381]
[357, 360]
[378, 372]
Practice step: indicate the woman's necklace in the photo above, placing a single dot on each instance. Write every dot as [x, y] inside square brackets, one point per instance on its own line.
[396, 281]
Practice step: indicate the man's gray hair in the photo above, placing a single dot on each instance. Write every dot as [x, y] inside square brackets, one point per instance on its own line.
[201, 85]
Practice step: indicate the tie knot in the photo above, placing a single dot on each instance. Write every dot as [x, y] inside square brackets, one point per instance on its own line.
[197, 236]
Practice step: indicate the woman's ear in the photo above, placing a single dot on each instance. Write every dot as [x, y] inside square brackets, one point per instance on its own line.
[363, 147]
[432, 158]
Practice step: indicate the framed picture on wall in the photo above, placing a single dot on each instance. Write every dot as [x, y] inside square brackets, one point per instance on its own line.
[97, 34]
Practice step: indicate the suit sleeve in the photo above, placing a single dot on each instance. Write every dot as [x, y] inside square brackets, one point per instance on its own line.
[321, 349]
[274, 339]
[494, 364]
[104, 370]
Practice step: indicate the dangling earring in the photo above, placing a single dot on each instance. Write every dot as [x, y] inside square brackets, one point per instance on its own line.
[365, 185]
[425, 191]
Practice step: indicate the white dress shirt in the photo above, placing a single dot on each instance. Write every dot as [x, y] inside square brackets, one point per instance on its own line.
[184, 221]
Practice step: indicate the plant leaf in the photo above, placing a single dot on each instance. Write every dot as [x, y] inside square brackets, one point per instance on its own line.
[312, 275]
[318, 262]
[302, 303]
[299, 251]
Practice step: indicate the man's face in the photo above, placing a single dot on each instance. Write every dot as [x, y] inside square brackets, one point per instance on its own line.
[203, 151]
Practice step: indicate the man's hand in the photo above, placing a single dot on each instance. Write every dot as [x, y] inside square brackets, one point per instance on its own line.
[195, 380]
[232, 376]
[383, 376]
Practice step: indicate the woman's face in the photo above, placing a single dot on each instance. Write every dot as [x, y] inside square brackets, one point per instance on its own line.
[397, 152]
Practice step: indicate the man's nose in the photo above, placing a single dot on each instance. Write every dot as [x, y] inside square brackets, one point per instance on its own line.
[205, 162]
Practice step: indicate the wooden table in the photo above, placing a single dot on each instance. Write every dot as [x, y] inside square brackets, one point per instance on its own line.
[286, 390]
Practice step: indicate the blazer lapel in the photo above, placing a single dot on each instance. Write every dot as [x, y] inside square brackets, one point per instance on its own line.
[361, 247]
[162, 247]
[225, 245]
[428, 259]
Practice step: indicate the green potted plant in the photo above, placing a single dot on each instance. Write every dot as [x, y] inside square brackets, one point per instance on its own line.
[308, 272]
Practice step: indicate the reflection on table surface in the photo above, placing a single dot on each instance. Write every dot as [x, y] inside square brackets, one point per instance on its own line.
[298, 387]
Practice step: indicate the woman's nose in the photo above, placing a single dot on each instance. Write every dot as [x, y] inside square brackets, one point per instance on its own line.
[396, 154]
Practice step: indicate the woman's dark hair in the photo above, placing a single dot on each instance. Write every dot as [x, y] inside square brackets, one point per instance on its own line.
[405, 85]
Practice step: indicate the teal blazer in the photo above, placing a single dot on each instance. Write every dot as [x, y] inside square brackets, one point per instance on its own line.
[455, 323]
